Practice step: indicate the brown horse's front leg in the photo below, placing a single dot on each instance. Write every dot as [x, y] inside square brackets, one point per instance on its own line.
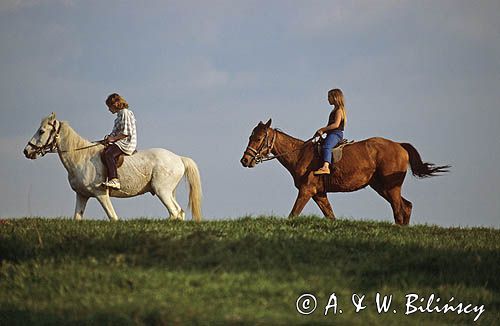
[300, 202]
[323, 203]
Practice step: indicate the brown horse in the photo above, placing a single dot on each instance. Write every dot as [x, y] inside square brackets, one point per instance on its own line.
[377, 162]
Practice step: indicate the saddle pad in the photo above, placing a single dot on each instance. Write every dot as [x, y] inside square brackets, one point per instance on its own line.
[119, 160]
[337, 151]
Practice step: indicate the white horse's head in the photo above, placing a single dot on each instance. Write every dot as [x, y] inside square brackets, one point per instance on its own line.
[44, 139]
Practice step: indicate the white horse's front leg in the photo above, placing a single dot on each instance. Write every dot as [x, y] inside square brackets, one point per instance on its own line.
[108, 207]
[81, 202]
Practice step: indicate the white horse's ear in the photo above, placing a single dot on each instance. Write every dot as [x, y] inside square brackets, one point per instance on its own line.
[268, 123]
[52, 116]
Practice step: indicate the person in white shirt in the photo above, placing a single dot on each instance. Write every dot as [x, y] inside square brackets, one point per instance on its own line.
[122, 140]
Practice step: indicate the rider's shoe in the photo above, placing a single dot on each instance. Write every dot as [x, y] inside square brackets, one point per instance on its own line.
[322, 170]
[113, 183]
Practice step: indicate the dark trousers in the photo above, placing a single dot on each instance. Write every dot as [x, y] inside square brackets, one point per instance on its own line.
[109, 157]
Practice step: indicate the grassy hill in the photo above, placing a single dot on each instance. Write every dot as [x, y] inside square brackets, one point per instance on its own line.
[245, 271]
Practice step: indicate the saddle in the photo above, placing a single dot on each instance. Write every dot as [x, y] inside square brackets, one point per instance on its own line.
[119, 159]
[336, 151]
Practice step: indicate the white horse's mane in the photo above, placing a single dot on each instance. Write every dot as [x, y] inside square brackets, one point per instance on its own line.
[71, 140]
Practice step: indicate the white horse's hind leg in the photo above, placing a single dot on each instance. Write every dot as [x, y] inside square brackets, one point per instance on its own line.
[164, 182]
[182, 214]
[168, 199]
[108, 207]
[81, 202]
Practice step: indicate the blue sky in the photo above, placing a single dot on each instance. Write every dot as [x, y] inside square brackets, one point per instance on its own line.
[200, 75]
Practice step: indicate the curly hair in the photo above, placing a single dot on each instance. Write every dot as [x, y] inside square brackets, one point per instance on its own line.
[117, 100]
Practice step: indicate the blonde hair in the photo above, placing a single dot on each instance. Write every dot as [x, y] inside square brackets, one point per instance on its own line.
[338, 101]
[117, 100]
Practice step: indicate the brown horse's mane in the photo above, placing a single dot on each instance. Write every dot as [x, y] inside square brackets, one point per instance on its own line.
[288, 135]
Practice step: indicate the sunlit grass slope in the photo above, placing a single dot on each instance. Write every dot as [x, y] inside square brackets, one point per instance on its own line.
[244, 271]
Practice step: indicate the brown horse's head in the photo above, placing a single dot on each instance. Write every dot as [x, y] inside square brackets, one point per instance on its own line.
[259, 145]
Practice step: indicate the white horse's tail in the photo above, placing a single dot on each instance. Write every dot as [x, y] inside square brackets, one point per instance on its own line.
[193, 177]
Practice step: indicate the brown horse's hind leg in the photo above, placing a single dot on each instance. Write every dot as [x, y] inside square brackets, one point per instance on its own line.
[407, 210]
[323, 203]
[397, 204]
[393, 196]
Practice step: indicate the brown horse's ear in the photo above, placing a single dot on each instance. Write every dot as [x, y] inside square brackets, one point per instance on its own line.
[268, 123]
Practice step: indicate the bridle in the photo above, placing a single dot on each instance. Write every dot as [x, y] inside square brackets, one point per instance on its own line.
[257, 155]
[51, 145]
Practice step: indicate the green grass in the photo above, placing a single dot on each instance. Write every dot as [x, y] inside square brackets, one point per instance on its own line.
[245, 271]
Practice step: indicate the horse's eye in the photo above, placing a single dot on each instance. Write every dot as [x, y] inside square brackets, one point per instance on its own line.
[41, 131]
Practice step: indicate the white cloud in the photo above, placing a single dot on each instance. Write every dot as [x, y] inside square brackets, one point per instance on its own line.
[207, 76]
[14, 5]
[332, 17]
[476, 20]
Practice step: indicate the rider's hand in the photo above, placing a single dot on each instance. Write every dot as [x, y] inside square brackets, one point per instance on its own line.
[105, 141]
[320, 132]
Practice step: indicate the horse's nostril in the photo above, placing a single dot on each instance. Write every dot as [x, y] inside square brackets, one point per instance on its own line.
[243, 161]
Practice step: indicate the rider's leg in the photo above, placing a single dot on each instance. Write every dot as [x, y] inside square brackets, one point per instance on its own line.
[110, 155]
[329, 143]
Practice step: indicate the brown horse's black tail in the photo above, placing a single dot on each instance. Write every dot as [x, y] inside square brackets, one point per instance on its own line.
[419, 168]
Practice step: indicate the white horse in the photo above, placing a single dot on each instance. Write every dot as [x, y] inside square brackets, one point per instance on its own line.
[156, 170]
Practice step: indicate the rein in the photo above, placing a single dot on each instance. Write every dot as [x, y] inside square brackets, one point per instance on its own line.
[80, 148]
[268, 158]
